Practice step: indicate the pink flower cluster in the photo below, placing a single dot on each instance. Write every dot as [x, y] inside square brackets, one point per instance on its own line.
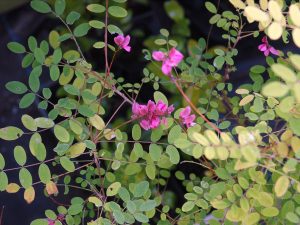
[186, 117]
[266, 48]
[123, 42]
[169, 60]
[151, 115]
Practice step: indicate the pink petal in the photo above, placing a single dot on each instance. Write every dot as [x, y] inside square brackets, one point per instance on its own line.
[171, 109]
[119, 40]
[274, 51]
[267, 52]
[161, 108]
[185, 112]
[158, 55]
[126, 40]
[154, 122]
[166, 68]
[127, 48]
[175, 56]
[145, 124]
[262, 47]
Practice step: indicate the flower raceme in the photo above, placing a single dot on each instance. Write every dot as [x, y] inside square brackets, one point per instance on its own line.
[266, 48]
[186, 117]
[151, 115]
[123, 42]
[169, 60]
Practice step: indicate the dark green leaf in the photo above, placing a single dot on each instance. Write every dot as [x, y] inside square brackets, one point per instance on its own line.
[16, 87]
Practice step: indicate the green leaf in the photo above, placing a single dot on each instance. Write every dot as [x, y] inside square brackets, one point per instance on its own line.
[72, 17]
[113, 189]
[4, 181]
[85, 110]
[96, 8]
[25, 178]
[40, 6]
[112, 29]
[210, 7]
[155, 152]
[292, 217]
[119, 216]
[27, 100]
[151, 171]
[34, 82]
[32, 43]
[2, 162]
[44, 173]
[10, 133]
[147, 205]
[141, 189]
[61, 133]
[20, 155]
[141, 217]
[99, 45]
[295, 125]
[136, 132]
[82, 30]
[29, 122]
[174, 10]
[97, 25]
[75, 209]
[39, 55]
[124, 194]
[54, 73]
[270, 212]
[67, 164]
[16, 47]
[219, 62]
[160, 96]
[173, 154]
[188, 206]
[117, 11]
[60, 6]
[16, 87]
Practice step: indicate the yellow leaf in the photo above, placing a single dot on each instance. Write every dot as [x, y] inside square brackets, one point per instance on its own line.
[97, 202]
[296, 89]
[250, 2]
[200, 139]
[242, 91]
[295, 59]
[222, 153]
[51, 188]
[275, 31]
[281, 186]
[284, 72]
[212, 137]
[209, 153]
[246, 100]
[29, 195]
[97, 122]
[275, 10]
[295, 143]
[282, 149]
[109, 134]
[76, 149]
[253, 13]
[294, 12]
[296, 36]
[263, 4]
[54, 39]
[238, 4]
[12, 188]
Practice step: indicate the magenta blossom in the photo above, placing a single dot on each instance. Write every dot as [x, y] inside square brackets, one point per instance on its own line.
[123, 42]
[186, 117]
[266, 48]
[151, 115]
[169, 60]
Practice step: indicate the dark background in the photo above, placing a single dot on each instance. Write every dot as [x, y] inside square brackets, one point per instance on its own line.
[18, 21]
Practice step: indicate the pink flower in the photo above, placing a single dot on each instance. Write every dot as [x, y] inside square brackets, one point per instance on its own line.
[186, 117]
[266, 48]
[51, 222]
[151, 115]
[123, 42]
[170, 60]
